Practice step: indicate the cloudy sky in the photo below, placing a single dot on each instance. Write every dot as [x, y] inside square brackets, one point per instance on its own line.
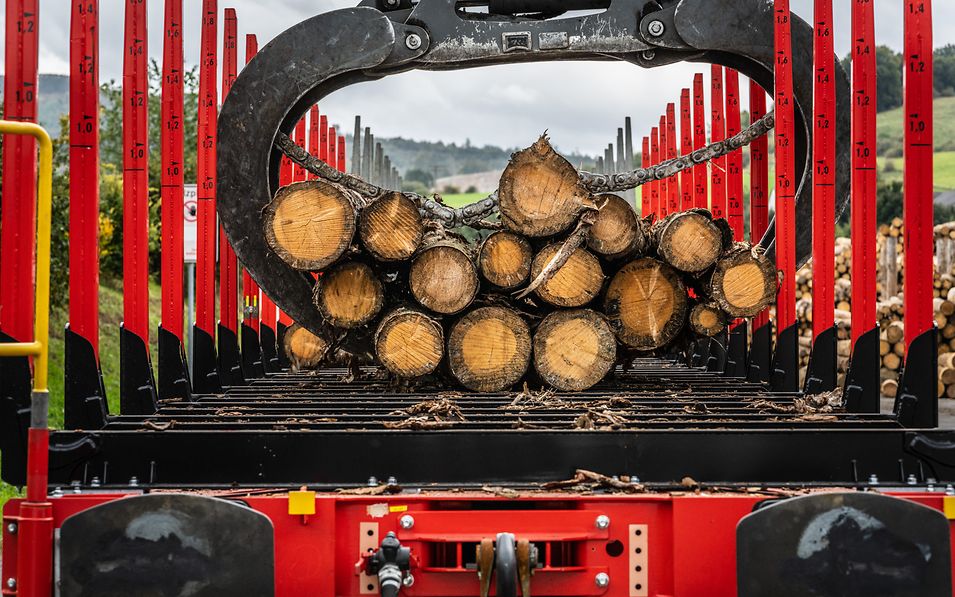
[580, 103]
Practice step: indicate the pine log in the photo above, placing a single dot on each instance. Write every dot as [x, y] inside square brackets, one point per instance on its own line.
[575, 284]
[409, 343]
[305, 350]
[573, 350]
[707, 319]
[505, 259]
[689, 241]
[540, 192]
[349, 295]
[646, 304]
[892, 361]
[443, 277]
[617, 232]
[310, 224]
[743, 282]
[890, 388]
[895, 332]
[391, 228]
[489, 349]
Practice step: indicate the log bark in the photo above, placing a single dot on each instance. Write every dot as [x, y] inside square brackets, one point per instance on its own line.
[646, 304]
[505, 259]
[573, 350]
[617, 232]
[689, 241]
[311, 224]
[443, 276]
[706, 319]
[540, 193]
[574, 284]
[349, 295]
[409, 343]
[305, 350]
[489, 349]
[743, 282]
[391, 228]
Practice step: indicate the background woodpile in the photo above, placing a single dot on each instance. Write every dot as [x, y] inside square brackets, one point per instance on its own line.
[564, 286]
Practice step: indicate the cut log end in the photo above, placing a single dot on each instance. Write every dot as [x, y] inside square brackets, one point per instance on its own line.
[305, 350]
[540, 192]
[743, 283]
[616, 232]
[707, 320]
[573, 285]
[349, 295]
[409, 343]
[573, 350]
[689, 241]
[310, 224]
[391, 228]
[489, 349]
[505, 259]
[646, 303]
[444, 279]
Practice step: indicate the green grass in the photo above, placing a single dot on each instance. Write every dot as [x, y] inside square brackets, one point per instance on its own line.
[944, 170]
[890, 128]
[462, 199]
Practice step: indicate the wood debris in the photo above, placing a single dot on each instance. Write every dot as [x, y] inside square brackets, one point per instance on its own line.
[584, 480]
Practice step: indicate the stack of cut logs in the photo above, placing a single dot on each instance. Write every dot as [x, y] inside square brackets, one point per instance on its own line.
[567, 285]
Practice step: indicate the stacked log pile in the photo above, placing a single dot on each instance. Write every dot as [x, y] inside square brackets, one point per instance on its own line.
[563, 287]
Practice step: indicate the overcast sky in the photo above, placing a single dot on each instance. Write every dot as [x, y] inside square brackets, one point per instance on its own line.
[580, 103]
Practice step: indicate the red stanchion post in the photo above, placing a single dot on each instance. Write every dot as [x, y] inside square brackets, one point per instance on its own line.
[341, 153]
[686, 148]
[323, 138]
[314, 137]
[673, 183]
[206, 232]
[663, 207]
[758, 181]
[250, 289]
[734, 161]
[300, 136]
[18, 241]
[228, 263]
[717, 133]
[332, 157]
[171, 157]
[645, 202]
[84, 171]
[700, 186]
[654, 160]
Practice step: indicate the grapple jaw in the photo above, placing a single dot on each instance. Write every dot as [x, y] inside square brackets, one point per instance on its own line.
[349, 46]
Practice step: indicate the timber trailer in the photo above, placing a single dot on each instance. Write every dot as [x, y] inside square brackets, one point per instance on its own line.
[250, 479]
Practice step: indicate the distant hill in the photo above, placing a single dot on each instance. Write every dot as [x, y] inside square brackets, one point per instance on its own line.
[54, 94]
[890, 129]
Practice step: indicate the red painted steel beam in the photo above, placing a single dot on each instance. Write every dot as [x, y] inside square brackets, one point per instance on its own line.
[919, 148]
[700, 186]
[734, 161]
[785, 172]
[645, 209]
[300, 136]
[171, 158]
[673, 183]
[717, 133]
[332, 157]
[18, 241]
[686, 148]
[341, 153]
[864, 173]
[654, 160]
[323, 138]
[250, 289]
[663, 207]
[84, 171]
[228, 264]
[314, 136]
[206, 233]
[136, 173]
[758, 180]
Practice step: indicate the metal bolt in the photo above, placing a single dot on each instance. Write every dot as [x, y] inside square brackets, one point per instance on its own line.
[94, 482]
[413, 41]
[57, 492]
[408, 580]
[133, 482]
[602, 579]
[11, 583]
[603, 521]
[406, 522]
[873, 479]
[649, 54]
[391, 3]
[12, 528]
[372, 481]
[656, 28]
[635, 480]
[949, 490]
[392, 481]
[912, 480]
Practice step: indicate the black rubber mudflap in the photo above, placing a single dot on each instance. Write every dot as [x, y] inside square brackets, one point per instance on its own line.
[844, 544]
[137, 385]
[85, 396]
[174, 379]
[167, 544]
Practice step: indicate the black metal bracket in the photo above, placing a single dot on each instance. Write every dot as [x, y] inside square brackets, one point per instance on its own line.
[761, 354]
[205, 373]
[699, 353]
[785, 370]
[270, 358]
[736, 353]
[821, 374]
[174, 381]
[253, 364]
[861, 391]
[283, 360]
[230, 362]
[716, 360]
[137, 385]
[916, 404]
[84, 400]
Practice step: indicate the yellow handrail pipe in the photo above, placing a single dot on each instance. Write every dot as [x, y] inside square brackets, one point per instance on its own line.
[40, 347]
